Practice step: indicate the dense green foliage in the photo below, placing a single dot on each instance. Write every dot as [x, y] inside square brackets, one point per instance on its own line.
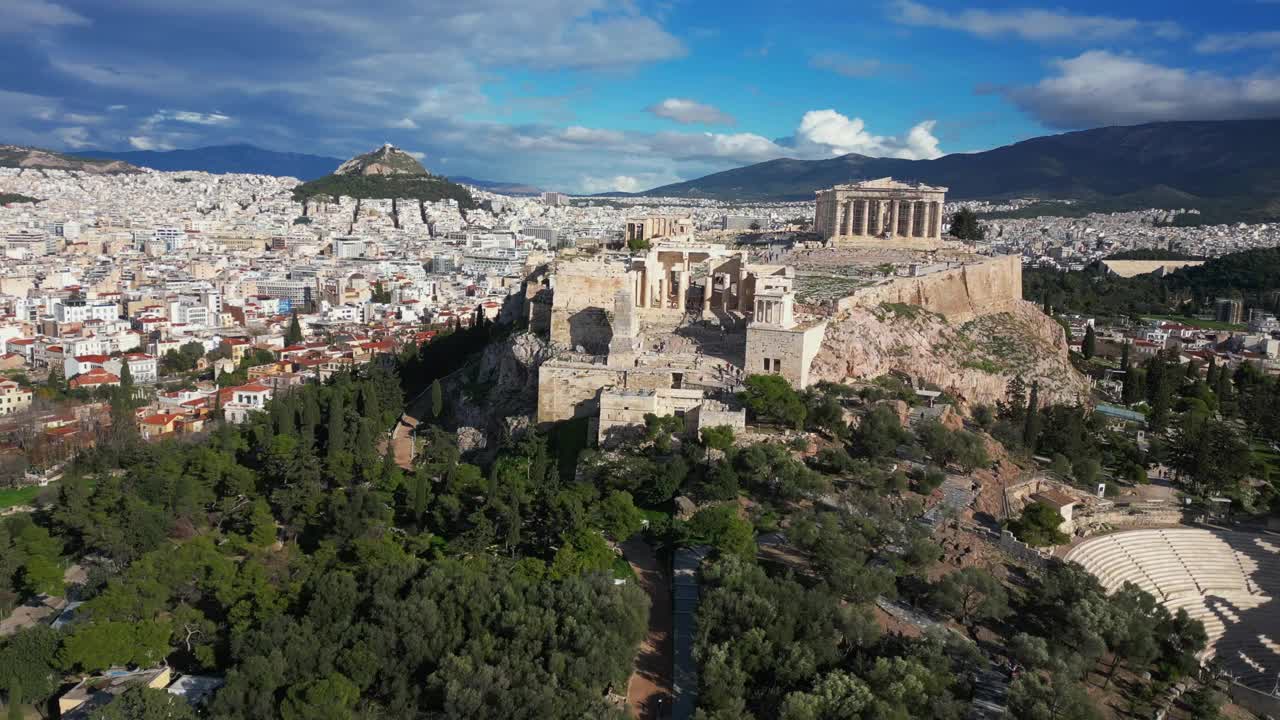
[428, 188]
[965, 226]
[1251, 274]
[11, 198]
[324, 581]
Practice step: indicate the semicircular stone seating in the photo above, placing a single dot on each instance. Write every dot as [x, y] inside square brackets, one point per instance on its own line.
[1230, 581]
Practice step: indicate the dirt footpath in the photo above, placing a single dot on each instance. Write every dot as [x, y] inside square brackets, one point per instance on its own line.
[649, 688]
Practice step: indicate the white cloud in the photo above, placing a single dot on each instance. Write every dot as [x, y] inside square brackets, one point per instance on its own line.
[592, 136]
[73, 137]
[592, 185]
[22, 16]
[845, 65]
[405, 124]
[738, 147]
[689, 112]
[618, 183]
[142, 142]
[419, 156]
[1235, 42]
[196, 118]
[117, 108]
[1030, 23]
[829, 133]
[1103, 88]
[82, 118]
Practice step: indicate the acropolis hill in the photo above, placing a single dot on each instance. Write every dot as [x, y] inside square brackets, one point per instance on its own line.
[675, 328]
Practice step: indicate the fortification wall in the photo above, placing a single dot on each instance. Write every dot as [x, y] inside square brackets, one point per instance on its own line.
[959, 294]
[569, 389]
[584, 292]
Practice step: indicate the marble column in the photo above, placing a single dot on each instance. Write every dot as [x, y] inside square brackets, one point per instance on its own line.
[866, 208]
[682, 289]
[911, 218]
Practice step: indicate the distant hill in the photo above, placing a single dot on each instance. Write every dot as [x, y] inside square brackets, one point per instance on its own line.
[385, 173]
[386, 160]
[222, 159]
[1227, 165]
[39, 159]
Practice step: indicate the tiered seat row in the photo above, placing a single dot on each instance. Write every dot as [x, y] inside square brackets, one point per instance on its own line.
[1225, 580]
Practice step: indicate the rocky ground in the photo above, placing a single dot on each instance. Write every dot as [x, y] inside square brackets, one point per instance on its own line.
[498, 393]
[972, 362]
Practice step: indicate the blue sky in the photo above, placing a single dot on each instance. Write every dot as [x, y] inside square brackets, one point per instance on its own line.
[592, 95]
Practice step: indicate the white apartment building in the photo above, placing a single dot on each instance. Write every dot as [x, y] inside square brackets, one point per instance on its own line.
[13, 397]
[68, 311]
[244, 401]
[346, 248]
[142, 367]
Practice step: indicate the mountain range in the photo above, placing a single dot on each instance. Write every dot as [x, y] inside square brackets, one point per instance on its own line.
[250, 159]
[1224, 164]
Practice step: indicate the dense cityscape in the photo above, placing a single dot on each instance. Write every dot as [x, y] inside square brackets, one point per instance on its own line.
[639, 360]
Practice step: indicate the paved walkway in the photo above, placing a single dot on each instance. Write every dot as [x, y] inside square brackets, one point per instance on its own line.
[649, 688]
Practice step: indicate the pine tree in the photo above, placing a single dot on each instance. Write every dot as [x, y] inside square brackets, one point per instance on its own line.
[1089, 347]
[437, 399]
[294, 334]
[1129, 384]
[1031, 426]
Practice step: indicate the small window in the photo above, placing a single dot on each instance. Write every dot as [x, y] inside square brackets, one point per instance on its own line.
[766, 364]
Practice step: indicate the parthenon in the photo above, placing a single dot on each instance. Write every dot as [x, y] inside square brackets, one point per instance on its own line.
[881, 212]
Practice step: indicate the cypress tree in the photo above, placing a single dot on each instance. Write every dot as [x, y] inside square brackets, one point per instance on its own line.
[1089, 347]
[1031, 427]
[126, 379]
[437, 398]
[294, 334]
[337, 440]
[57, 380]
[15, 700]
[310, 416]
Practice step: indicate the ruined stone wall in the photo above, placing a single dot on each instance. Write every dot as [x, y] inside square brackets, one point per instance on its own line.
[960, 294]
[569, 389]
[584, 292]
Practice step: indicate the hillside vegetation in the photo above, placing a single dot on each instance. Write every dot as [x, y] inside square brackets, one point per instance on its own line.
[429, 188]
[1250, 275]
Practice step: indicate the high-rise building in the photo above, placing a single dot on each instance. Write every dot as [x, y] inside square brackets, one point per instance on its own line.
[554, 199]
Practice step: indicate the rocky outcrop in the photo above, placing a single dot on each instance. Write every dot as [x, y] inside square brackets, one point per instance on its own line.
[386, 160]
[973, 361]
[493, 393]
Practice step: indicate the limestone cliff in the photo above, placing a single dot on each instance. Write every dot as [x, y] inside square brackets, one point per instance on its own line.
[972, 361]
[500, 389]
